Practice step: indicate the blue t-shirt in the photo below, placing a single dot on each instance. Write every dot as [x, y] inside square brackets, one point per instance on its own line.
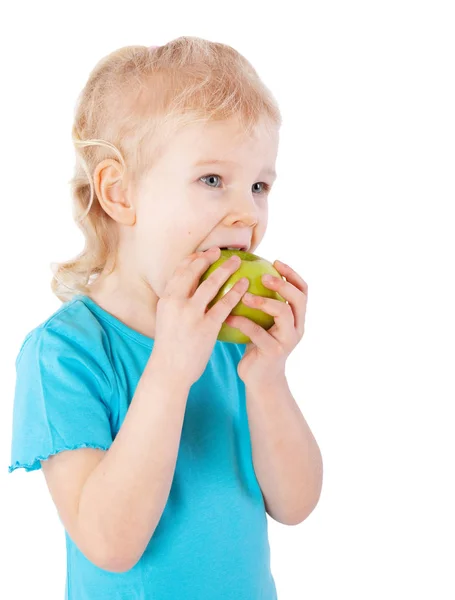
[76, 375]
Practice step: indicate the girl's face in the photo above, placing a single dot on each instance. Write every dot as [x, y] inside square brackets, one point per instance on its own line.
[184, 203]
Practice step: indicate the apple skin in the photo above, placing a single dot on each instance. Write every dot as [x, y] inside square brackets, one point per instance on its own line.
[252, 267]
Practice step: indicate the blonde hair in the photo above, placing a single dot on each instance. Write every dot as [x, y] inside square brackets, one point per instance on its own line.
[134, 99]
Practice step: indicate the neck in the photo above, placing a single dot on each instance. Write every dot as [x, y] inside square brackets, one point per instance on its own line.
[128, 298]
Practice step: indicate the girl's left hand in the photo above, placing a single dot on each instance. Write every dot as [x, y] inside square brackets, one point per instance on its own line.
[266, 354]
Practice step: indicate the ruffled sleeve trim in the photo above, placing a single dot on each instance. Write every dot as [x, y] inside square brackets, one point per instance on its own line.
[36, 464]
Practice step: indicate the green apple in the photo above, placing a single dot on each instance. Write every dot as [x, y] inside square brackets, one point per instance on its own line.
[252, 267]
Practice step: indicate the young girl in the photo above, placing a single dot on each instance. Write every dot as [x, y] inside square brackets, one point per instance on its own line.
[124, 397]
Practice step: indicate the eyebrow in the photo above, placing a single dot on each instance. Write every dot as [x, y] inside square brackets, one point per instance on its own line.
[230, 162]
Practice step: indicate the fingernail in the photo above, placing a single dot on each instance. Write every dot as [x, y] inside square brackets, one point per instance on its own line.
[267, 278]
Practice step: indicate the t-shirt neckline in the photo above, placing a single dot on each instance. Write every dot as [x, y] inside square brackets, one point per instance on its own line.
[107, 316]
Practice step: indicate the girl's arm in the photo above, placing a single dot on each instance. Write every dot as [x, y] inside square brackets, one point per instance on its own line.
[111, 502]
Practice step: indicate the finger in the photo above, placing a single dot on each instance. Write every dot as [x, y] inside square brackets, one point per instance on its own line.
[291, 276]
[179, 270]
[257, 334]
[190, 271]
[282, 313]
[210, 287]
[296, 297]
[222, 308]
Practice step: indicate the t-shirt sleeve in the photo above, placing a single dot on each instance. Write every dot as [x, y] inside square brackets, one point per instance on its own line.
[61, 399]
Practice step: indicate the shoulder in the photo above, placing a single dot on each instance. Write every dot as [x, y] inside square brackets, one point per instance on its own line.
[71, 329]
[65, 390]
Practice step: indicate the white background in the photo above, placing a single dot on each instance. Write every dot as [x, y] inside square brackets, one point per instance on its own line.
[363, 209]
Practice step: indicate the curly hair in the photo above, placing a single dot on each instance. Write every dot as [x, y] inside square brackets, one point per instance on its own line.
[134, 99]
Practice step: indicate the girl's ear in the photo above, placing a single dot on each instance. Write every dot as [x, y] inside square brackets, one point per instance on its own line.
[111, 191]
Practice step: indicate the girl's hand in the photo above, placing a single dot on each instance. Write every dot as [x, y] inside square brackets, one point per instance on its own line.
[186, 331]
[266, 354]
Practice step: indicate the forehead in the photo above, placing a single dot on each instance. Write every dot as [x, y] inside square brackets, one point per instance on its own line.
[226, 141]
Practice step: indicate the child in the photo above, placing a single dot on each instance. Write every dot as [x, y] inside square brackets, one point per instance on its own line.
[124, 396]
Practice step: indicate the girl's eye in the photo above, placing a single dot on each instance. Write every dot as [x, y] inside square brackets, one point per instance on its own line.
[210, 178]
[266, 186]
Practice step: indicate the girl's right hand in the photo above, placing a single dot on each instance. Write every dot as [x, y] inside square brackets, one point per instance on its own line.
[185, 331]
